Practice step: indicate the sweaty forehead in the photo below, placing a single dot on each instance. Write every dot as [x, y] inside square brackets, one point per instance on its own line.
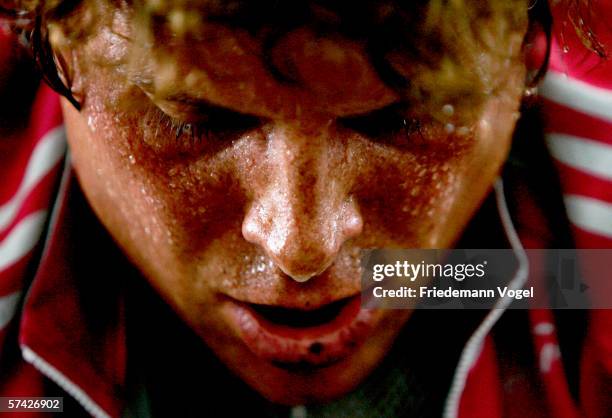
[308, 57]
[228, 67]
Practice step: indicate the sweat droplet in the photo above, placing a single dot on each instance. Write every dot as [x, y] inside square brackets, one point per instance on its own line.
[464, 130]
[530, 91]
[90, 123]
[448, 110]
[156, 5]
[132, 159]
[566, 49]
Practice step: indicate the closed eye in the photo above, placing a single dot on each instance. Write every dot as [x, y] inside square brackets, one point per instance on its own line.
[384, 123]
[172, 129]
[203, 122]
[208, 116]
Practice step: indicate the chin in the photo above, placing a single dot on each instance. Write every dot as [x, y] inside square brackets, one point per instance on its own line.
[306, 378]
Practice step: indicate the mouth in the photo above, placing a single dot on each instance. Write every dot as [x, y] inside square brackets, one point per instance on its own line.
[295, 339]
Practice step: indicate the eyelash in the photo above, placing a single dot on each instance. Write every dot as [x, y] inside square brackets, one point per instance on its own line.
[168, 135]
[196, 132]
[217, 124]
[389, 125]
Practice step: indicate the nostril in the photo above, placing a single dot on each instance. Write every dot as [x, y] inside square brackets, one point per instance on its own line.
[300, 278]
[301, 245]
[301, 255]
[304, 258]
[300, 275]
[268, 231]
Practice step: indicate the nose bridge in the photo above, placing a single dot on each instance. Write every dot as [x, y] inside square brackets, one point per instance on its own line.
[302, 158]
[304, 215]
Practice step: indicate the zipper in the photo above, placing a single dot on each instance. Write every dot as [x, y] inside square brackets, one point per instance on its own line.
[62, 381]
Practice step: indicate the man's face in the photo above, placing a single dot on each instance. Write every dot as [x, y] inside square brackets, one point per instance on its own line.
[245, 200]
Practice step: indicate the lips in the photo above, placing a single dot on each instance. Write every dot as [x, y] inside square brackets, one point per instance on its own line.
[293, 338]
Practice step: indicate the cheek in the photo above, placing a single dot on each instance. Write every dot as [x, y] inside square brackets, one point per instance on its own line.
[176, 203]
[130, 201]
[424, 197]
[402, 195]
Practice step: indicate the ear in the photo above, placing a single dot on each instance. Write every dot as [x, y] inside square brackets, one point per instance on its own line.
[537, 43]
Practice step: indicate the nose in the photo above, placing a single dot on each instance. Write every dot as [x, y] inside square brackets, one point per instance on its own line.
[304, 213]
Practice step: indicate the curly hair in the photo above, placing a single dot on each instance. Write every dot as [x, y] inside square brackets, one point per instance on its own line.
[383, 26]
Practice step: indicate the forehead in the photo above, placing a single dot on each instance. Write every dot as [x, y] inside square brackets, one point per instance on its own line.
[320, 56]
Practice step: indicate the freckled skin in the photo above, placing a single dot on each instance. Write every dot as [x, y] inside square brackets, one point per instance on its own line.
[277, 214]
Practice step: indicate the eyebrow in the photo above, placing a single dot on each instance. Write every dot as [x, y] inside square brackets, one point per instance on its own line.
[205, 107]
[190, 100]
[147, 82]
[202, 105]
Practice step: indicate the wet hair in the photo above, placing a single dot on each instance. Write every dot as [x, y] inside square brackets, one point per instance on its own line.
[383, 26]
[581, 16]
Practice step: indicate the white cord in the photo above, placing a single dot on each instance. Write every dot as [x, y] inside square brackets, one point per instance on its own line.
[473, 347]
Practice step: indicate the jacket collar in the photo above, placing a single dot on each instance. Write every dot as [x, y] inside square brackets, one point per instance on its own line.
[72, 327]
